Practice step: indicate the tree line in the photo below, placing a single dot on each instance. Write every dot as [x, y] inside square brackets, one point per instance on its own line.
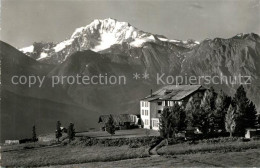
[214, 113]
[58, 133]
[110, 128]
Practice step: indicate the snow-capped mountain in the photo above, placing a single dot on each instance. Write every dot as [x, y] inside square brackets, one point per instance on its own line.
[238, 55]
[99, 36]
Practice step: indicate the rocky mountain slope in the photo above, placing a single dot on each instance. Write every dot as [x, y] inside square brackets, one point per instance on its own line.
[23, 106]
[233, 57]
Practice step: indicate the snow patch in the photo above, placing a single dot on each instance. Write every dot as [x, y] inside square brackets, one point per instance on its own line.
[130, 33]
[27, 49]
[42, 56]
[177, 41]
[62, 45]
[151, 38]
[163, 39]
[240, 35]
[106, 40]
[77, 32]
[138, 42]
[172, 41]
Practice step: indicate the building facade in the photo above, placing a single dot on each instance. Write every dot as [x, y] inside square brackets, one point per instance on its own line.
[152, 106]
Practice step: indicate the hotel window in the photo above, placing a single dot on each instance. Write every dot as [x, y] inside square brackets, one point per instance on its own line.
[146, 122]
[155, 123]
[142, 112]
[159, 103]
[159, 111]
[142, 104]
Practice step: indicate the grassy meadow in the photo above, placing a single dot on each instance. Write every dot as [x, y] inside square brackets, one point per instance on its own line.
[63, 155]
[100, 150]
[203, 147]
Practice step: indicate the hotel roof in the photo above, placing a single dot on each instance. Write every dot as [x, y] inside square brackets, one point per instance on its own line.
[173, 92]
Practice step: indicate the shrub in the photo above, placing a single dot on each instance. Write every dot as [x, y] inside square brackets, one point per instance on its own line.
[134, 142]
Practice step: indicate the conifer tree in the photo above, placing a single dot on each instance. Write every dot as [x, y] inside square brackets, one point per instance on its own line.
[172, 120]
[71, 132]
[258, 124]
[222, 104]
[180, 116]
[246, 111]
[34, 137]
[58, 130]
[191, 109]
[165, 128]
[206, 117]
[251, 116]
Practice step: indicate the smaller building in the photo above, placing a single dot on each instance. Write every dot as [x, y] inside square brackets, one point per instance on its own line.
[250, 133]
[11, 142]
[46, 137]
[121, 121]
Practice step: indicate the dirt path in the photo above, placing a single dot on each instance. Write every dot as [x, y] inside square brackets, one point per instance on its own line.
[153, 150]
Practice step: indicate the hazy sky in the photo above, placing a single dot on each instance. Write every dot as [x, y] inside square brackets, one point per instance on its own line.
[26, 21]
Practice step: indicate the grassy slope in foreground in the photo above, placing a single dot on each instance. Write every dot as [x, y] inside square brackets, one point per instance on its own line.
[76, 154]
[228, 146]
[248, 158]
[63, 155]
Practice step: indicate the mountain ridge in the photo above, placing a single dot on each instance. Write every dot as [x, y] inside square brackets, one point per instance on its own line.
[98, 36]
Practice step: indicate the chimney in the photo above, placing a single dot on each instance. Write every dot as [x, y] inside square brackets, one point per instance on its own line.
[151, 92]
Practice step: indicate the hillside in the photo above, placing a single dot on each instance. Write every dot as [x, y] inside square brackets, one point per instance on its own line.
[25, 106]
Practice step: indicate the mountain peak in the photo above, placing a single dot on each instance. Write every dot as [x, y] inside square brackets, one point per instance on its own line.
[105, 25]
[100, 36]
